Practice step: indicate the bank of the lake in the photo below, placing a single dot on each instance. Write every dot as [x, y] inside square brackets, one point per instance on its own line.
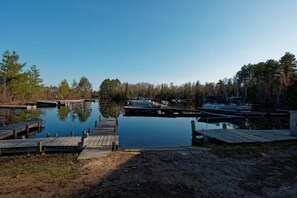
[259, 170]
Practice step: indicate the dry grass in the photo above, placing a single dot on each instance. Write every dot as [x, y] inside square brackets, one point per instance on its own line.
[50, 168]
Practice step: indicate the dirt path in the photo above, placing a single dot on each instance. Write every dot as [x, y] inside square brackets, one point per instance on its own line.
[219, 171]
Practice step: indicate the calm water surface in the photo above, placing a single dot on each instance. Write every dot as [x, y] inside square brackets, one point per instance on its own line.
[134, 132]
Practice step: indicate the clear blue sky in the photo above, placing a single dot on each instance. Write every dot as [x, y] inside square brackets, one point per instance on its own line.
[156, 41]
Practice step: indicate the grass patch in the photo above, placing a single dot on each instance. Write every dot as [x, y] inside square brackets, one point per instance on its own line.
[45, 168]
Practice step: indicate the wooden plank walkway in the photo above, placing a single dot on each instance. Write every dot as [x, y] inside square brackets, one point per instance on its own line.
[54, 144]
[27, 107]
[102, 141]
[233, 136]
[15, 129]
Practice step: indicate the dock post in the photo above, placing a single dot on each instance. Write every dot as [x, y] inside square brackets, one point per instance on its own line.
[224, 126]
[14, 133]
[71, 133]
[56, 135]
[293, 122]
[39, 147]
[193, 129]
[39, 126]
[27, 131]
[82, 143]
[193, 125]
[89, 132]
[96, 123]
[47, 135]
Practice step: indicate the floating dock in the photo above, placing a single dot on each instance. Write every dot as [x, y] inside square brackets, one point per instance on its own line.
[237, 136]
[24, 127]
[103, 140]
[25, 107]
[163, 111]
[40, 145]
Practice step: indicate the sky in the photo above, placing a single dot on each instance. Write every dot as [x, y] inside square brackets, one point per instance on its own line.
[155, 41]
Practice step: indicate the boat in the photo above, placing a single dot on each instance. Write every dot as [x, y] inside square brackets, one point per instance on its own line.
[45, 103]
[234, 107]
[141, 104]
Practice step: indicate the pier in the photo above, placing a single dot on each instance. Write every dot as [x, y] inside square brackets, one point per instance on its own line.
[237, 136]
[25, 107]
[40, 145]
[103, 140]
[14, 130]
[163, 111]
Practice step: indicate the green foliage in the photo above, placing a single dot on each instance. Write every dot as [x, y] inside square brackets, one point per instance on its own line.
[63, 89]
[63, 113]
[16, 84]
[110, 89]
[85, 87]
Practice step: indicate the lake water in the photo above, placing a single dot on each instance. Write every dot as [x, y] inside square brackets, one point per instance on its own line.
[134, 132]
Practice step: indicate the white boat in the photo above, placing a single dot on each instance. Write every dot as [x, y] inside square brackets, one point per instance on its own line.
[141, 103]
[234, 106]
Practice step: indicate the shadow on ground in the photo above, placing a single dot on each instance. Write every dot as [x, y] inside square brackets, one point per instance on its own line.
[222, 171]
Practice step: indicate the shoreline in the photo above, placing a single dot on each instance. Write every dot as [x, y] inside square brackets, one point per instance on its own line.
[259, 170]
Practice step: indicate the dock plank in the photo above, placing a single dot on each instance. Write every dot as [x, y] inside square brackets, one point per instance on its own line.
[100, 143]
[247, 136]
[7, 131]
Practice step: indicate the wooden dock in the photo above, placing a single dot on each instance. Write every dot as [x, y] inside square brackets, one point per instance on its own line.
[164, 111]
[40, 145]
[23, 127]
[237, 136]
[103, 140]
[25, 107]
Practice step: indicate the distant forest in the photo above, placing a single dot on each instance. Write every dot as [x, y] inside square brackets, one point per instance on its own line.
[272, 83]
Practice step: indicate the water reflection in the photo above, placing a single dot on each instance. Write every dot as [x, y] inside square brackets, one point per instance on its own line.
[77, 117]
[63, 113]
[133, 131]
[248, 123]
[13, 116]
[82, 111]
[111, 109]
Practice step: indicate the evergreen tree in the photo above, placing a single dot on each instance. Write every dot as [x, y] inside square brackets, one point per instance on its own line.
[63, 89]
[85, 87]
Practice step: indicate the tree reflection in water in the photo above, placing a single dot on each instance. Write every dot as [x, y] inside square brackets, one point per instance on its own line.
[82, 111]
[111, 109]
[12, 116]
[63, 113]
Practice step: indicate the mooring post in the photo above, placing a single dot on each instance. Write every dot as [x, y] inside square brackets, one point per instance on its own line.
[56, 135]
[39, 126]
[193, 129]
[27, 131]
[47, 135]
[39, 147]
[71, 133]
[293, 122]
[224, 126]
[193, 125]
[82, 143]
[89, 132]
[14, 133]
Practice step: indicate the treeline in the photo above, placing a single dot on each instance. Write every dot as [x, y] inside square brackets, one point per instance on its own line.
[18, 85]
[114, 89]
[77, 90]
[270, 83]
